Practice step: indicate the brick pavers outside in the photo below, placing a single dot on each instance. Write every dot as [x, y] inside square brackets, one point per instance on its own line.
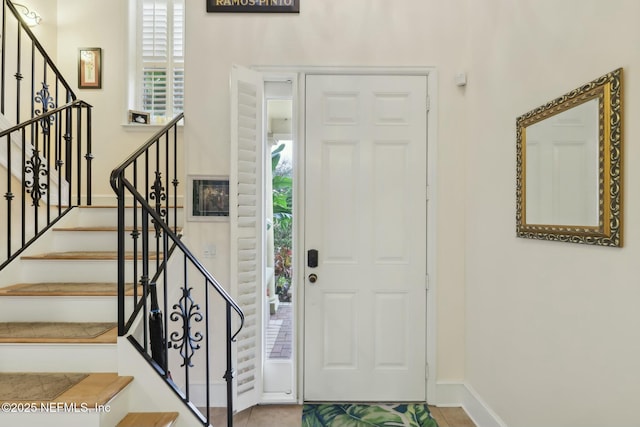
[283, 343]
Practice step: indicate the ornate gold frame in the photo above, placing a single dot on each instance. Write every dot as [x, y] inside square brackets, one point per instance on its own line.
[608, 90]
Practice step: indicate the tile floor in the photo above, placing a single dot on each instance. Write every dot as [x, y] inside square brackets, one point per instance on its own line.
[291, 416]
[279, 338]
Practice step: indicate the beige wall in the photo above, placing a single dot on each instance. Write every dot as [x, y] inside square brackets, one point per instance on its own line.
[552, 328]
[353, 33]
[93, 23]
[47, 31]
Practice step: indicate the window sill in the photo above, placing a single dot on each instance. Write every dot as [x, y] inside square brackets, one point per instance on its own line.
[132, 127]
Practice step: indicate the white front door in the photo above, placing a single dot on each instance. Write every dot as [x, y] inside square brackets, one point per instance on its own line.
[365, 214]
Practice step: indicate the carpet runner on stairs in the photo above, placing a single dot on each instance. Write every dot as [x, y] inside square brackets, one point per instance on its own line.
[18, 386]
[58, 332]
[72, 388]
[65, 289]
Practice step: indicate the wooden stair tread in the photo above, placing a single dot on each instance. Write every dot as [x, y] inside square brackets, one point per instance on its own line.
[59, 332]
[52, 289]
[148, 419]
[128, 206]
[95, 389]
[83, 255]
[105, 228]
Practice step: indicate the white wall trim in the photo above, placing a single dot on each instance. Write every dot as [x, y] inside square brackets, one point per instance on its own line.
[462, 394]
[432, 226]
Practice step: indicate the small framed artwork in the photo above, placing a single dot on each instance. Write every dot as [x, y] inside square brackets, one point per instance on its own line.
[208, 198]
[138, 117]
[90, 68]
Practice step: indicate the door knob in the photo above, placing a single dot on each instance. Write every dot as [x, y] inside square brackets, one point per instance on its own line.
[313, 278]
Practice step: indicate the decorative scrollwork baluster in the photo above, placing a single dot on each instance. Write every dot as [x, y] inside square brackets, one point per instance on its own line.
[43, 97]
[35, 170]
[187, 311]
[158, 194]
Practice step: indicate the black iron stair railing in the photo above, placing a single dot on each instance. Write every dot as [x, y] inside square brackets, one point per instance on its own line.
[169, 315]
[44, 176]
[45, 139]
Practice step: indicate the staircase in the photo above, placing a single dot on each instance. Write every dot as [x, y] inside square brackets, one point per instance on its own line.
[100, 325]
[56, 318]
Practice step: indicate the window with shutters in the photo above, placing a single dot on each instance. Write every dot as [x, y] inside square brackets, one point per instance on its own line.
[159, 58]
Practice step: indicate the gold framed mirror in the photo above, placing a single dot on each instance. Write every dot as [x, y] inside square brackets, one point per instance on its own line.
[569, 166]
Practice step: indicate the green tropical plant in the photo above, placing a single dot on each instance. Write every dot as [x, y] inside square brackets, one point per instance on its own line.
[282, 196]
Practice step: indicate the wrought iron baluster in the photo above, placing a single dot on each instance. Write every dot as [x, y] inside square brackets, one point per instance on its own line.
[158, 195]
[186, 311]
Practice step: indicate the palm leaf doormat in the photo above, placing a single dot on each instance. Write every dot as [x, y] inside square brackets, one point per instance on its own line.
[363, 415]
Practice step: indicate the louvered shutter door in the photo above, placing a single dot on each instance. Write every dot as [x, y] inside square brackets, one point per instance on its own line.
[247, 222]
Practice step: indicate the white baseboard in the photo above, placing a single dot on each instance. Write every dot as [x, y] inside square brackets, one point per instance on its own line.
[462, 394]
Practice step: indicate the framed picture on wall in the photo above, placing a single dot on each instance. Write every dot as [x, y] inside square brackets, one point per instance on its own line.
[208, 198]
[90, 68]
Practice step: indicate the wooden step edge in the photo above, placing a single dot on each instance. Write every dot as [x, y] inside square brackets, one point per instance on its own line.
[22, 290]
[83, 255]
[97, 388]
[101, 228]
[148, 419]
[108, 337]
[126, 206]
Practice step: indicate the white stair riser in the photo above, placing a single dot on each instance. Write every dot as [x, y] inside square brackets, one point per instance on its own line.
[96, 240]
[58, 357]
[108, 216]
[36, 271]
[61, 309]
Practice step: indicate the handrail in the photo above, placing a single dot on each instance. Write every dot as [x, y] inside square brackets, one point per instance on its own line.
[140, 151]
[162, 265]
[38, 119]
[41, 49]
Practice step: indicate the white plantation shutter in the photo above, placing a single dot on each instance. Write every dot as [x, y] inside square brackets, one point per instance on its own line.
[247, 221]
[161, 58]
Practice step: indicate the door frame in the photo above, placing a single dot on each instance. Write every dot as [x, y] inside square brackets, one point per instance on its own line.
[297, 76]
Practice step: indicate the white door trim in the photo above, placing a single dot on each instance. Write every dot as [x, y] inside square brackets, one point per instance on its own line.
[299, 101]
